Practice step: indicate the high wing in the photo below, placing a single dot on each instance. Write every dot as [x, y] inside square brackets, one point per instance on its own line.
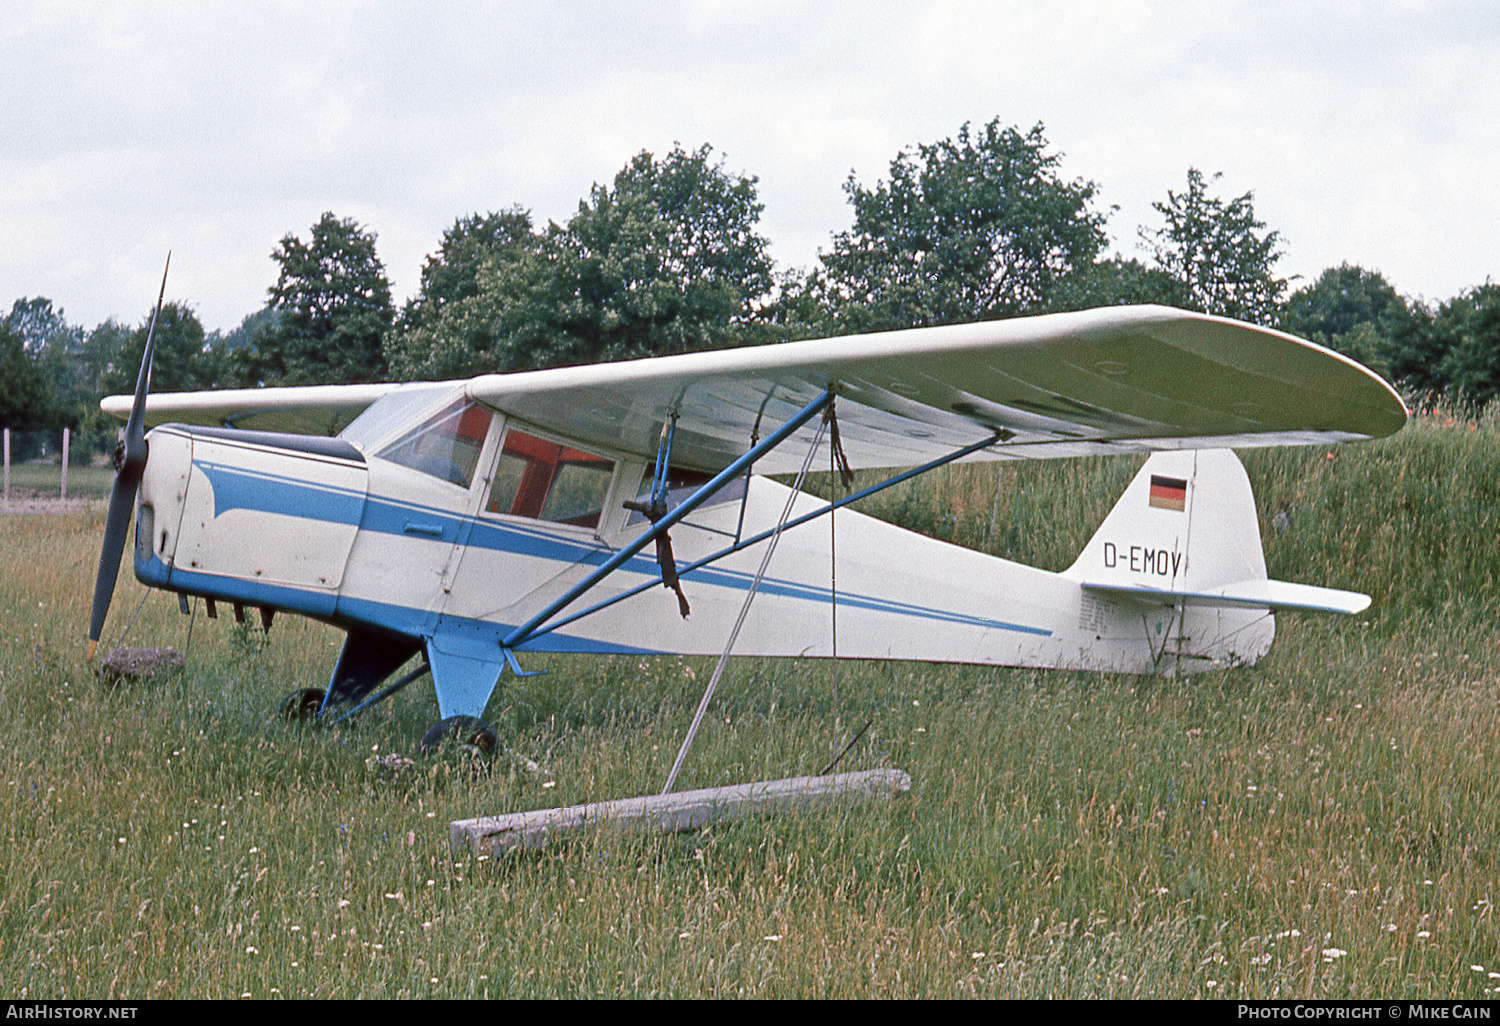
[1118, 379]
[304, 410]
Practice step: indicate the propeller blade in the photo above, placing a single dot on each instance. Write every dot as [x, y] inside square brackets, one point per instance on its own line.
[135, 427]
[132, 465]
[116, 527]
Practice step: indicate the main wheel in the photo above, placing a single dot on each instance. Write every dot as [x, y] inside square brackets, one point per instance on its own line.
[468, 733]
[302, 705]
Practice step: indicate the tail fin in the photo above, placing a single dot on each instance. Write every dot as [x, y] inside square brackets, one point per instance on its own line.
[1186, 523]
[1185, 532]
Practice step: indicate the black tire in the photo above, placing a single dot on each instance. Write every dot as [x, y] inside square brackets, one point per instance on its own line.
[467, 733]
[302, 705]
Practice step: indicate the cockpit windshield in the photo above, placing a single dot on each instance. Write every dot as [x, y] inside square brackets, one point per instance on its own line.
[446, 445]
[392, 410]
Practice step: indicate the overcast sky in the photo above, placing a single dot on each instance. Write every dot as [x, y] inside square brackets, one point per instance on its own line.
[1368, 131]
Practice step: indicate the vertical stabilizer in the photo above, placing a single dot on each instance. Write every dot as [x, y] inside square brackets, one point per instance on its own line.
[1186, 523]
[1185, 527]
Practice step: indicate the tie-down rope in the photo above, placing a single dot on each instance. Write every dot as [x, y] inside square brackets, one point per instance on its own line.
[713, 682]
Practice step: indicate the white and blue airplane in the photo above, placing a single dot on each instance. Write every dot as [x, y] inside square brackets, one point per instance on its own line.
[471, 522]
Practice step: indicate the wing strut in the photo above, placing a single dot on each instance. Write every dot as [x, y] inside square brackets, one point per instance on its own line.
[730, 550]
[657, 508]
[692, 502]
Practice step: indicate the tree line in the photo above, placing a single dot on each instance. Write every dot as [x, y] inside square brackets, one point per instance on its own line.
[667, 258]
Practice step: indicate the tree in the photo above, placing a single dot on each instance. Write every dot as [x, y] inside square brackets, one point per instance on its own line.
[25, 398]
[798, 307]
[103, 355]
[1342, 298]
[1219, 251]
[251, 331]
[99, 363]
[1466, 330]
[1116, 282]
[666, 259]
[51, 347]
[980, 226]
[250, 354]
[181, 361]
[449, 328]
[1356, 312]
[473, 243]
[334, 308]
[40, 325]
[666, 262]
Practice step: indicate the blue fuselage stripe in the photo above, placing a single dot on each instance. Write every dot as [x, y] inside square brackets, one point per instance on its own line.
[346, 612]
[237, 488]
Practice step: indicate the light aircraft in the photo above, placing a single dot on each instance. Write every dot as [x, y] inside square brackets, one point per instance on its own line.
[472, 522]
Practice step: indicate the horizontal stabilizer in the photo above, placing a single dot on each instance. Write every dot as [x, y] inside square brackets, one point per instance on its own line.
[1258, 594]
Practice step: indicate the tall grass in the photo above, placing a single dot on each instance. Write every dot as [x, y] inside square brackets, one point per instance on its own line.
[1320, 825]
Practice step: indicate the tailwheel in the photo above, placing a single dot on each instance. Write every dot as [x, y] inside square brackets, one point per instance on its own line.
[468, 734]
[302, 705]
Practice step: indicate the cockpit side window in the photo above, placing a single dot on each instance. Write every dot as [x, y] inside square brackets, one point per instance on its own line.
[547, 481]
[447, 445]
[680, 485]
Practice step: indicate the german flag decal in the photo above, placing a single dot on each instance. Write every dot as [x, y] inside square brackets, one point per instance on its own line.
[1169, 493]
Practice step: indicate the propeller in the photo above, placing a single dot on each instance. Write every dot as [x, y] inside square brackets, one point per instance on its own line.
[130, 464]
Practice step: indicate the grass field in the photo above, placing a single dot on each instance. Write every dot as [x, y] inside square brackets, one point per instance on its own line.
[44, 480]
[1321, 825]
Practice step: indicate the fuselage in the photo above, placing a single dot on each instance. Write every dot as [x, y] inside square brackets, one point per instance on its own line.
[456, 551]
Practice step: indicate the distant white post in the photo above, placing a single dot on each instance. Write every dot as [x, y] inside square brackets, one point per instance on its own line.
[65, 464]
[7, 464]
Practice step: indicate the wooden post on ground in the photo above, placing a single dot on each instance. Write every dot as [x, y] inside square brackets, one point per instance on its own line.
[7, 464]
[678, 812]
[65, 464]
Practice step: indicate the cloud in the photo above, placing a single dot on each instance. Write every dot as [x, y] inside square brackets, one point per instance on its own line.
[1368, 133]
